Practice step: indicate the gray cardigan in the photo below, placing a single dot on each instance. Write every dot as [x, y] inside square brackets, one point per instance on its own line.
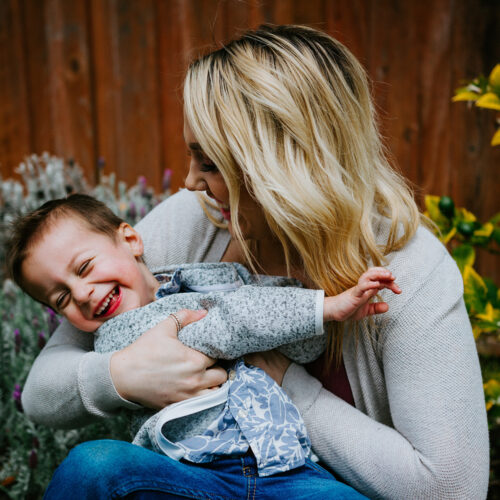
[418, 428]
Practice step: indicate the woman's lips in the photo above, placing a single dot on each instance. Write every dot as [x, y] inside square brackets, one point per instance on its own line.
[226, 213]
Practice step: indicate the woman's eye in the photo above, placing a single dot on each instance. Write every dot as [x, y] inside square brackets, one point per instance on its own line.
[208, 167]
[205, 164]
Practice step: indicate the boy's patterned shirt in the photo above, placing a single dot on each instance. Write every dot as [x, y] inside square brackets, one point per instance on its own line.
[257, 415]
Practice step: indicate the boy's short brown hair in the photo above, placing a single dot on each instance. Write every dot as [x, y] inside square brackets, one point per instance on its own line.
[28, 229]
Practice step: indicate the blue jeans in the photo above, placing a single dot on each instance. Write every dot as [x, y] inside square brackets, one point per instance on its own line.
[115, 469]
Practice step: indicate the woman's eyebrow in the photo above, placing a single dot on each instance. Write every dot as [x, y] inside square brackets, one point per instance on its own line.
[194, 146]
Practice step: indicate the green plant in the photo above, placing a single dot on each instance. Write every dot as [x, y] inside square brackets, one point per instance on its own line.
[463, 233]
[485, 93]
[460, 230]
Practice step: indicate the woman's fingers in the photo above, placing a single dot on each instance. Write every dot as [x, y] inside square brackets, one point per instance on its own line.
[182, 318]
[157, 369]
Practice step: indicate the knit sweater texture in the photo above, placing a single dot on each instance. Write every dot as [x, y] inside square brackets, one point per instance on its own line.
[418, 428]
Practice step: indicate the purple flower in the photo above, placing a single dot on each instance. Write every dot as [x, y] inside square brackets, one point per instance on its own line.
[33, 460]
[132, 211]
[142, 212]
[17, 340]
[53, 320]
[42, 340]
[142, 184]
[167, 177]
[101, 162]
[16, 396]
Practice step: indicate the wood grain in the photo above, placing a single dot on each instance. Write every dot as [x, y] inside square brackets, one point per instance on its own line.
[103, 78]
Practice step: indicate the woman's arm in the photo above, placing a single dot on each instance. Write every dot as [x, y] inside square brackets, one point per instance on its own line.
[422, 432]
[69, 385]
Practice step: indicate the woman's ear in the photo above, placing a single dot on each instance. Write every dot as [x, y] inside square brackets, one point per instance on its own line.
[128, 235]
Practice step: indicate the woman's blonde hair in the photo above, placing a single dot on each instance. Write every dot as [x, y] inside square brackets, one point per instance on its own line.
[286, 112]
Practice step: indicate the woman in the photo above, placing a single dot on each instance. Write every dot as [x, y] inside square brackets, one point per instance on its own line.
[280, 128]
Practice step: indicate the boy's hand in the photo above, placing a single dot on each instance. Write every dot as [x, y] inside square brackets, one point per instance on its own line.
[355, 302]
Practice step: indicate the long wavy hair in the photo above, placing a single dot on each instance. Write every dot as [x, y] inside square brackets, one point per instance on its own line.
[286, 112]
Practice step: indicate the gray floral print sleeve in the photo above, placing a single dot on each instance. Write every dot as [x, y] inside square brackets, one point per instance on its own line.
[246, 314]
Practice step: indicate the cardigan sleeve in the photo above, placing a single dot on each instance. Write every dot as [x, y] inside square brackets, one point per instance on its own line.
[433, 440]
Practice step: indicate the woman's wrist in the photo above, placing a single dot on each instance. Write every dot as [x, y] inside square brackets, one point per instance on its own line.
[95, 384]
[301, 387]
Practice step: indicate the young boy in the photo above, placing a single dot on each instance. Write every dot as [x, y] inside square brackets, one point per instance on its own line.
[77, 257]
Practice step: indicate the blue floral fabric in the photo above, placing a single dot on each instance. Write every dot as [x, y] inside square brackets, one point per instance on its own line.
[257, 415]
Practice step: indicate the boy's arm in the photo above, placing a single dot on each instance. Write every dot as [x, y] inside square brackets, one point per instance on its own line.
[256, 319]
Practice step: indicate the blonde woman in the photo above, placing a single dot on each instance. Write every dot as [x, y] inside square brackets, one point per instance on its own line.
[283, 143]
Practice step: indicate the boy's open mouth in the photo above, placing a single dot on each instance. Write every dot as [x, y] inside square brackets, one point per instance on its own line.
[110, 303]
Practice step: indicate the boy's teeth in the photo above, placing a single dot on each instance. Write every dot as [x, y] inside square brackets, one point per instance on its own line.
[106, 302]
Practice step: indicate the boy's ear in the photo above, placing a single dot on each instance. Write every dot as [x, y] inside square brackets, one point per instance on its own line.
[128, 235]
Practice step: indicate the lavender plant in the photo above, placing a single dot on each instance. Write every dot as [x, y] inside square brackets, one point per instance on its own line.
[30, 453]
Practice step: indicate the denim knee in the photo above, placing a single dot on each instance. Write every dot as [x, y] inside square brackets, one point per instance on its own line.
[89, 471]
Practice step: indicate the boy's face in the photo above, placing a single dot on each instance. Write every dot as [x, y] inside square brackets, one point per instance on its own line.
[87, 276]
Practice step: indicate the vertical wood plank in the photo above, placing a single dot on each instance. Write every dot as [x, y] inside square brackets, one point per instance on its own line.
[136, 103]
[15, 140]
[431, 168]
[106, 84]
[349, 21]
[38, 78]
[70, 89]
[173, 62]
[393, 67]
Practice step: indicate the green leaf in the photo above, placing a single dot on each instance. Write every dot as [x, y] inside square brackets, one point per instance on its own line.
[474, 291]
[495, 220]
[494, 78]
[489, 100]
[492, 292]
[464, 255]
[490, 315]
[465, 95]
[495, 140]
[433, 212]
[496, 235]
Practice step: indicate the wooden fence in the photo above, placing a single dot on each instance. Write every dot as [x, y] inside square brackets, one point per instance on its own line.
[102, 78]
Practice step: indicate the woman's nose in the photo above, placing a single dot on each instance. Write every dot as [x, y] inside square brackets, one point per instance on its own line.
[195, 181]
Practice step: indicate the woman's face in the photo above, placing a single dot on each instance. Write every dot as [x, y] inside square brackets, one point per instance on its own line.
[203, 175]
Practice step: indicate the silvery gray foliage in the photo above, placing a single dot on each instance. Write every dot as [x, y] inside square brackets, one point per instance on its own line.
[45, 177]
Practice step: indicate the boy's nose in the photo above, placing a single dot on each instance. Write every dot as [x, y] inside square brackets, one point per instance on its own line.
[82, 292]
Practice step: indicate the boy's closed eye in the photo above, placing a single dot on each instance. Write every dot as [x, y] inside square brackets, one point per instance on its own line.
[62, 301]
[85, 267]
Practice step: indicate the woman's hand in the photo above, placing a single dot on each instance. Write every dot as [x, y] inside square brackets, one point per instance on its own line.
[272, 362]
[157, 369]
